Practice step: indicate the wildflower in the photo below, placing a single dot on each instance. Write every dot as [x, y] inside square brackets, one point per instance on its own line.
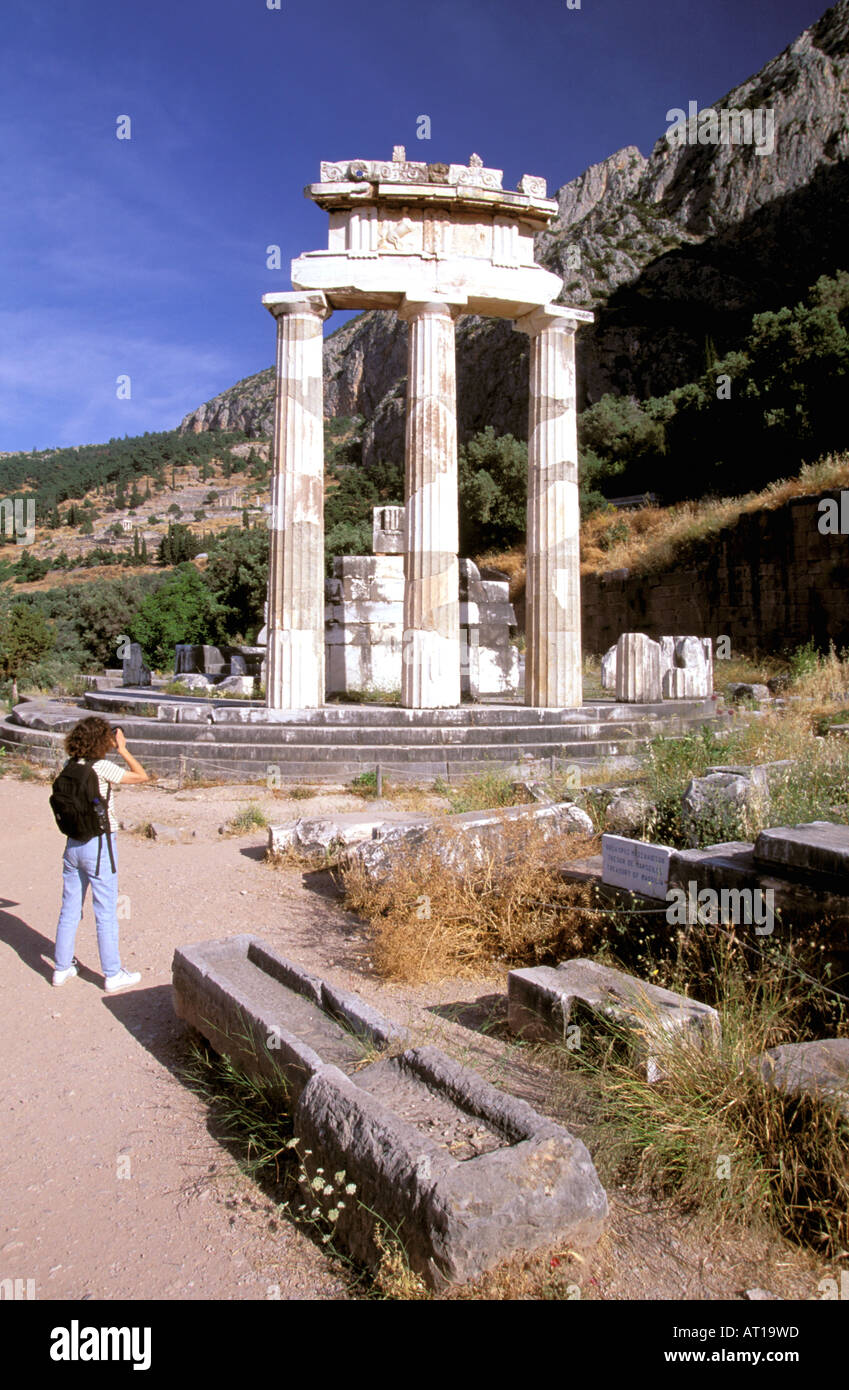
[350, 1187]
[340, 1176]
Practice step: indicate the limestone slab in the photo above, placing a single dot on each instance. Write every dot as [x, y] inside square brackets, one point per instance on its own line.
[817, 847]
[541, 1001]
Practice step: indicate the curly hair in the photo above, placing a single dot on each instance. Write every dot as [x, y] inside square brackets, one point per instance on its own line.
[91, 738]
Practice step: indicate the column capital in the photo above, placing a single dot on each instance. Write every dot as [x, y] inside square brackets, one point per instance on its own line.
[552, 316]
[285, 302]
[415, 306]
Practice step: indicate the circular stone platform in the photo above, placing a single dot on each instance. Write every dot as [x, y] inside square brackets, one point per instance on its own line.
[242, 739]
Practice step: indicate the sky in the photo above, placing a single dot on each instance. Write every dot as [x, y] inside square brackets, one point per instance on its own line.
[146, 258]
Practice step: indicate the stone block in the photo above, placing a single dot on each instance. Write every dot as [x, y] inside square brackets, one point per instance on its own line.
[135, 672]
[541, 1000]
[638, 678]
[819, 1069]
[745, 690]
[465, 1174]
[269, 1016]
[237, 685]
[817, 847]
[467, 841]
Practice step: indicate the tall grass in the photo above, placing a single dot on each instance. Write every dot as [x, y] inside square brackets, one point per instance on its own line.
[713, 1133]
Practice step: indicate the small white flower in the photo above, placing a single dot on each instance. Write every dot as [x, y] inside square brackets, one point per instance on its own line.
[315, 1212]
[333, 1215]
[350, 1187]
[327, 1191]
[340, 1176]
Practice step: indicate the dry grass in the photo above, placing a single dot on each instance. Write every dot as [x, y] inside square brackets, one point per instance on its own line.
[713, 1134]
[430, 921]
[651, 538]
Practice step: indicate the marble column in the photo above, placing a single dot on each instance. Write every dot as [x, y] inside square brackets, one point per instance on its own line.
[430, 671]
[295, 660]
[553, 584]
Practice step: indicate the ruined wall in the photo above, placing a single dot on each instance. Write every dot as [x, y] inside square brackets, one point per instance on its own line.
[769, 582]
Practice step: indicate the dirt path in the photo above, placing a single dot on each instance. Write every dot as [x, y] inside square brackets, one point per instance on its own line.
[114, 1185]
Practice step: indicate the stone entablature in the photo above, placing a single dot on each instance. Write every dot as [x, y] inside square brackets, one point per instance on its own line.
[449, 230]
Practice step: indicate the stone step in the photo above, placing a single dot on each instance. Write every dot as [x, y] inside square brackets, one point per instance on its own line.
[394, 716]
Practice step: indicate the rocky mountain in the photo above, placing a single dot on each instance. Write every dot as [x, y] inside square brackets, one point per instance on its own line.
[671, 252]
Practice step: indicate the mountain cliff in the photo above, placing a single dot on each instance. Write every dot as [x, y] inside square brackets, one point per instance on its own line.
[672, 252]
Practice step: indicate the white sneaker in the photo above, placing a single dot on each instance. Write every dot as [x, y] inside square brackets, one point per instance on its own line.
[60, 976]
[122, 980]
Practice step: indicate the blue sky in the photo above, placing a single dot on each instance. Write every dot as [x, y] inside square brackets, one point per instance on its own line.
[147, 256]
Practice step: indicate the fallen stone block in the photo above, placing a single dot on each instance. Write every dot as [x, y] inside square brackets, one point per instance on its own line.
[236, 685]
[540, 1003]
[816, 847]
[745, 690]
[462, 1173]
[626, 814]
[726, 796]
[170, 834]
[465, 841]
[269, 1016]
[818, 1069]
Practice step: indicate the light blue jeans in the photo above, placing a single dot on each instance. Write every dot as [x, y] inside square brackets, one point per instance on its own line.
[78, 871]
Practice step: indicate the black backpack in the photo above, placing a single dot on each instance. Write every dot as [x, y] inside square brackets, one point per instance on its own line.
[78, 808]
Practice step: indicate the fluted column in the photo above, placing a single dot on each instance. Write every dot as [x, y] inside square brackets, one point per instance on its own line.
[430, 672]
[553, 584]
[295, 660]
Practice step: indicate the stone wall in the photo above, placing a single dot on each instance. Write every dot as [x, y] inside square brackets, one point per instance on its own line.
[768, 582]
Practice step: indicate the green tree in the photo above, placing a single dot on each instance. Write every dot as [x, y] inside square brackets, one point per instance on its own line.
[181, 610]
[237, 574]
[25, 637]
[493, 486]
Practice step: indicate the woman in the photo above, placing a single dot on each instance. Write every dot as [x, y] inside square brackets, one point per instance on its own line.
[92, 862]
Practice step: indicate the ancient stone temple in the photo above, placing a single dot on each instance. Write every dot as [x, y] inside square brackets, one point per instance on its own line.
[432, 242]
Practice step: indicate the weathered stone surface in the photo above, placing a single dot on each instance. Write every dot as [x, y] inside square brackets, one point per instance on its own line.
[135, 672]
[553, 664]
[195, 681]
[726, 795]
[745, 690]
[811, 1068]
[817, 847]
[239, 685]
[467, 840]
[271, 1017]
[463, 1173]
[170, 834]
[522, 1181]
[541, 1000]
[638, 669]
[626, 814]
[321, 837]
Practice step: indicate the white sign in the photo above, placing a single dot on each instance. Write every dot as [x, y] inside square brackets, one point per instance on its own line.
[636, 865]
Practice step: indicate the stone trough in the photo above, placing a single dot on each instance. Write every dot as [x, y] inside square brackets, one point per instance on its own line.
[464, 1174]
[541, 1002]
